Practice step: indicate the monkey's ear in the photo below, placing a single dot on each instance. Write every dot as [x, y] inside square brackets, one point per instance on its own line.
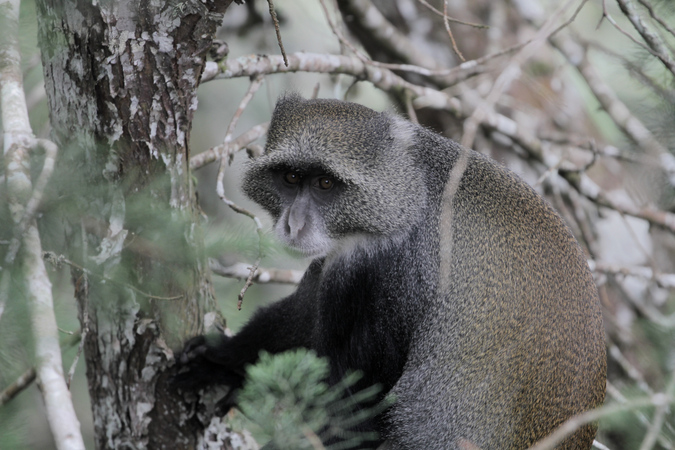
[254, 150]
[289, 98]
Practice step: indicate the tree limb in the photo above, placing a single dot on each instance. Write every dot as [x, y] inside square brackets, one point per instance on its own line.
[18, 141]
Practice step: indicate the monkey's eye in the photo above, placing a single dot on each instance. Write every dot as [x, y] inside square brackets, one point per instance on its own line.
[291, 177]
[325, 183]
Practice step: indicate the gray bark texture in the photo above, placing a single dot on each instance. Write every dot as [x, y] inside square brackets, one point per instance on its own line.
[121, 79]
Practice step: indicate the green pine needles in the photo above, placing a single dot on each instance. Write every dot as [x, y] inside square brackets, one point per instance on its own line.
[287, 396]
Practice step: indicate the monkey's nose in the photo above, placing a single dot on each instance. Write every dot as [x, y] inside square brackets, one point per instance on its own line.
[295, 225]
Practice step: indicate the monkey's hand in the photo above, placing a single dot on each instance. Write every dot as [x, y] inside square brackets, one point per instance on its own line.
[206, 361]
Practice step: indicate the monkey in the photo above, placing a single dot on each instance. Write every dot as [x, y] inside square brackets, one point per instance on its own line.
[436, 272]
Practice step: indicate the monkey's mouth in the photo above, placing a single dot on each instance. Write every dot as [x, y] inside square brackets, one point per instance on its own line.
[308, 243]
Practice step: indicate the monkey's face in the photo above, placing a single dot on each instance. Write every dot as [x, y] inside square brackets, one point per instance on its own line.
[304, 197]
[335, 172]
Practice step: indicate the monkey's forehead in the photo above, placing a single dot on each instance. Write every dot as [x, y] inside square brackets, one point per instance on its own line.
[324, 123]
[323, 133]
[293, 107]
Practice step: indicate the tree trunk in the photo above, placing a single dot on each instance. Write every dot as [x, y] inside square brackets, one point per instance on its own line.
[121, 79]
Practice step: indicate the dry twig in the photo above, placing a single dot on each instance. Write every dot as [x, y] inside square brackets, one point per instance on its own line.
[256, 82]
[58, 260]
[262, 275]
[512, 72]
[227, 149]
[273, 14]
[574, 423]
[655, 45]
[446, 22]
[657, 17]
[29, 375]
[18, 144]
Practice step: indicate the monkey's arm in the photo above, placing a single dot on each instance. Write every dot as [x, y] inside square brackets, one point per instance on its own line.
[286, 324]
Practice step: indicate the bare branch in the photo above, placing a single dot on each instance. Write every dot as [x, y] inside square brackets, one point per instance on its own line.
[663, 280]
[226, 149]
[446, 22]
[28, 214]
[382, 78]
[574, 423]
[652, 39]
[366, 13]
[656, 17]
[262, 275]
[617, 110]
[38, 190]
[512, 72]
[19, 385]
[57, 260]
[659, 418]
[256, 82]
[386, 34]
[18, 141]
[592, 191]
[273, 14]
[29, 375]
[450, 19]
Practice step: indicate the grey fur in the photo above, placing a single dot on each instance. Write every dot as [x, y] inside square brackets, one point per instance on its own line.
[506, 339]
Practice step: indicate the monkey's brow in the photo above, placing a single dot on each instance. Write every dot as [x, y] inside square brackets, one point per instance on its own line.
[303, 170]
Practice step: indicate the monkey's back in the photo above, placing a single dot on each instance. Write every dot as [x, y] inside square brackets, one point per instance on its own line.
[514, 343]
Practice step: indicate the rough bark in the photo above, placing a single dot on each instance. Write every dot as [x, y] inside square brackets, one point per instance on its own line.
[121, 80]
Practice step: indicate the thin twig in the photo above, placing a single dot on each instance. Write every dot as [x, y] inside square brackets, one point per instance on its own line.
[513, 71]
[654, 42]
[57, 260]
[249, 280]
[576, 422]
[229, 148]
[387, 36]
[29, 375]
[259, 230]
[659, 418]
[446, 22]
[273, 14]
[19, 385]
[657, 17]
[256, 82]
[261, 276]
[603, 16]
[617, 110]
[450, 19]
[80, 347]
[405, 50]
[410, 109]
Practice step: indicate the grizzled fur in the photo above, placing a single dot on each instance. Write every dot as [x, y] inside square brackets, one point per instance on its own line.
[491, 342]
